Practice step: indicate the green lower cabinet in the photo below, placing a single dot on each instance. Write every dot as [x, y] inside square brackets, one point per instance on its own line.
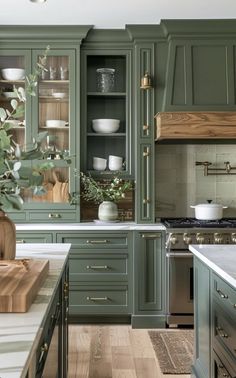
[201, 367]
[149, 280]
[99, 299]
[34, 237]
[101, 274]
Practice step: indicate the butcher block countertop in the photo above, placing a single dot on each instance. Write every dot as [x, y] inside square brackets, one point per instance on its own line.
[20, 333]
[220, 258]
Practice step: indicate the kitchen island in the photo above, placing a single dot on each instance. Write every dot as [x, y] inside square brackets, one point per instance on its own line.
[215, 310]
[21, 333]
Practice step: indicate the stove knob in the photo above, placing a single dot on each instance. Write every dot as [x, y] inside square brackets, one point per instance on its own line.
[218, 238]
[200, 238]
[187, 238]
[233, 237]
[173, 239]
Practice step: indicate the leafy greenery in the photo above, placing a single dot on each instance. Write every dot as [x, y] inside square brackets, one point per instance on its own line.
[109, 190]
[13, 174]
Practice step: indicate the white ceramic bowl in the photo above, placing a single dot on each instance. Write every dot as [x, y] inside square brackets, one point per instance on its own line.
[13, 73]
[55, 123]
[9, 94]
[59, 94]
[106, 125]
[99, 164]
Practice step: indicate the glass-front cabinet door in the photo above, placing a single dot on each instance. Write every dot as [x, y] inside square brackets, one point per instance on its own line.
[14, 65]
[106, 116]
[53, 111]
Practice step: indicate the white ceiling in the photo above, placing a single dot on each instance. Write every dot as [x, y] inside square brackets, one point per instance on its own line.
[111, 13]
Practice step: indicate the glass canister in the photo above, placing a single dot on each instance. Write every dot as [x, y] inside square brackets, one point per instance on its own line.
[105, 79]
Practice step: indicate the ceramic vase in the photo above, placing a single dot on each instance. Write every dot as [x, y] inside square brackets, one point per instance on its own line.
[107, 211]
[7, 238]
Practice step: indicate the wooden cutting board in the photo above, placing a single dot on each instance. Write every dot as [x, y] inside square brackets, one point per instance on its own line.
[20, 281]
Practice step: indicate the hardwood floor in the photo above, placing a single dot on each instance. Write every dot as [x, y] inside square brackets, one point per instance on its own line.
[117, 351]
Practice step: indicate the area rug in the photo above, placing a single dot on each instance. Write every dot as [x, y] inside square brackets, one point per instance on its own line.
[174, 350]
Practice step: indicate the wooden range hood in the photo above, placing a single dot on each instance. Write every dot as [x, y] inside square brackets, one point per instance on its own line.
[195, 125]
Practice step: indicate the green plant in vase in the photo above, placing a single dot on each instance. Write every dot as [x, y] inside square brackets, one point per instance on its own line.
[14, 174]
[106, 194]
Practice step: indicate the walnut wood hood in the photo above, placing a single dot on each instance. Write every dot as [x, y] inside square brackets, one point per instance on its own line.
[195, 125]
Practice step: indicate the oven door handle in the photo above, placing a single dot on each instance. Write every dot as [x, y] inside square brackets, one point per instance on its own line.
[179, 254]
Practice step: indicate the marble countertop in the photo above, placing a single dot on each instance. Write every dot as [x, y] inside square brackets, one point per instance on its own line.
[90, 226]
[20, 333]
[220, 258]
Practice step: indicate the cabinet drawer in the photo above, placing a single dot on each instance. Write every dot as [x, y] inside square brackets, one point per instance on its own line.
[224, 294]
[54, 216]
[95, 240]
[99, 267]
[221, 369]
[22, 237]
[98, 299]
[224, 328]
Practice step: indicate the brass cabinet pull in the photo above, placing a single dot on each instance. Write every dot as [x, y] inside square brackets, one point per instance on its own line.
[21, 241]
[151, 236]
[147, 152]
[55, 216]
[221, 294]
[96, 267]
[97, 299]
[105, 241]
[146, 200]
[145, 127]
[221, 332]
[44, 349]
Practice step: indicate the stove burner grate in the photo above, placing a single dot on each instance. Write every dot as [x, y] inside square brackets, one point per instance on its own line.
[193, 222]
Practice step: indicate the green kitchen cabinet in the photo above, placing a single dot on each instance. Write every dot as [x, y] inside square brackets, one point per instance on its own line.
[34, 237]
[145, 153]
[200, 73]
[202, 320]
[214, 324]
[100, 275]
[149, 280]
[54, 109]
[223, 328]
[109, 102]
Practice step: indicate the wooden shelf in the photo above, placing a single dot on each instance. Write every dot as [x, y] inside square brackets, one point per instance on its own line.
[12, 81]
[106, 94]
[106, 135]
[54, 82]
[195, 125]
[55, 128]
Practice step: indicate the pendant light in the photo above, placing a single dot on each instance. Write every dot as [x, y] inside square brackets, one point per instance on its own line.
[38, 1]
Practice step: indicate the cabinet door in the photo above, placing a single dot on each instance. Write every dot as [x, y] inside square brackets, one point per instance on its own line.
[202, 320]
[53, 111]
[19, 59]
[107, 99]
[149, 273]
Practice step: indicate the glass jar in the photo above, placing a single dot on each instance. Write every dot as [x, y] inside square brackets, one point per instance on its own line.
[105, 79]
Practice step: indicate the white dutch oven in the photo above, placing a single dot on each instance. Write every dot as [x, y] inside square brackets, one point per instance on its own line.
[208, 211]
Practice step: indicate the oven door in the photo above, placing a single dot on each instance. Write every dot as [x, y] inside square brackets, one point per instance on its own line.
[180, 287]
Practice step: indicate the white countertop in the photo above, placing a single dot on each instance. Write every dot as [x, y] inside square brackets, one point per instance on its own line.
[90, 226]
[20, 333]
[220, 258]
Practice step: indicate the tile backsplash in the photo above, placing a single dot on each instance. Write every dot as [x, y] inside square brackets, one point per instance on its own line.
[180, 183]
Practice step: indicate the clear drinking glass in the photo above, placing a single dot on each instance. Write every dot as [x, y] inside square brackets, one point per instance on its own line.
[105, 79]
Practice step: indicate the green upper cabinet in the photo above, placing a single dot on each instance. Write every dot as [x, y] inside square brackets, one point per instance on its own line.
[55, 109]
[106, 96]
[200, 66]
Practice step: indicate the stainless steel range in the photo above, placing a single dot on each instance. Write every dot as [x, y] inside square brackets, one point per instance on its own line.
[180, 233]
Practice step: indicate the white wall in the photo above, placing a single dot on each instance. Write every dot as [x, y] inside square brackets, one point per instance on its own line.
[111, 14]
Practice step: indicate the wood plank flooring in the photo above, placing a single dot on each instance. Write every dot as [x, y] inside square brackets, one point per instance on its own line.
[116, 351]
